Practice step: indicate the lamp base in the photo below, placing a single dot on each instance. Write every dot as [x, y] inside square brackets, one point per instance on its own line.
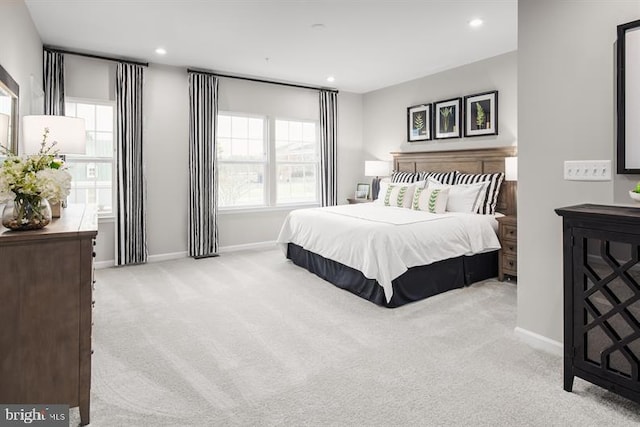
[375, 188]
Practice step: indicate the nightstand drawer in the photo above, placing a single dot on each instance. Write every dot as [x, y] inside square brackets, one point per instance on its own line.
[510, 264]
[509, 248]
[509, 232]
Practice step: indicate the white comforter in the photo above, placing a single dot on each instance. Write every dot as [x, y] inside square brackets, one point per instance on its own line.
[383, 242]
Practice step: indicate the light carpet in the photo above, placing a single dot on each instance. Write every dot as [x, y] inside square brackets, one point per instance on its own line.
[249, 339]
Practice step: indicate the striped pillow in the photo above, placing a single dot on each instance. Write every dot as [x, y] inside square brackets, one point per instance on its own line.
[406, 177]
[429, 199]
[448, 178]
[489, 196]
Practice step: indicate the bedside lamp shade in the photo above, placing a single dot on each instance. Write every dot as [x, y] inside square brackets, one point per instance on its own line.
[68, 132]
[511, 168]
[377, 168]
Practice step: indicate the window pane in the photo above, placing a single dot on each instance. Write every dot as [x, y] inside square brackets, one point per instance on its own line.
[239, 127]
[224, 126]
[296, 183]
[104, 118]
[295, 131]
[91, 183]
[240, 184]
[224, 148]
[88, 113]
[256, 126]
[309, 132]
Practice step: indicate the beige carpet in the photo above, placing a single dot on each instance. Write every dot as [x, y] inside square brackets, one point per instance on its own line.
[249, 339]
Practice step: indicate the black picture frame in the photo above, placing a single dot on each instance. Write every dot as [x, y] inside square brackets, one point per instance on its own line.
[419, 127]
[447, 118]
[628, 131]
[481, 114]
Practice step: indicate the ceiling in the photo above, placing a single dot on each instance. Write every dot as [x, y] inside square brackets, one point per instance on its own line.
[364, 44]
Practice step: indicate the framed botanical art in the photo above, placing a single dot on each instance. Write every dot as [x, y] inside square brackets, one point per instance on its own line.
[419, 123]
[481, 114]
[447, 116]
[362, 191]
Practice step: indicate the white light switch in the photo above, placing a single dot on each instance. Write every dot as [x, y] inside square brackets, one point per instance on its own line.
[587, 170]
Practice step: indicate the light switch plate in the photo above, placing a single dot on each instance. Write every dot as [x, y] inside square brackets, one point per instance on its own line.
[587, 170]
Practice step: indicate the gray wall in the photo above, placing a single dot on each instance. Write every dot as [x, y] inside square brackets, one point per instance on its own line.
[20, 49]
[385, 110]
[566, 111]
[166, 138]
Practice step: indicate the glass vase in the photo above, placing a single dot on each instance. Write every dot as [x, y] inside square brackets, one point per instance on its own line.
[26, 213]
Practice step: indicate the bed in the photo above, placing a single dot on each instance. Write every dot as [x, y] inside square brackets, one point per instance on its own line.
[350, 246]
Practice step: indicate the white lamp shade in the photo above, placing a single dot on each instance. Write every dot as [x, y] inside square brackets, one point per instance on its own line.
[511, 168]
[68, 132]
[377, 168]
[4, 130]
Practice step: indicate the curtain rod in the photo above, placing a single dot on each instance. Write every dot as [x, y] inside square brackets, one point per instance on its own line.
[94, 56]
[255, 79]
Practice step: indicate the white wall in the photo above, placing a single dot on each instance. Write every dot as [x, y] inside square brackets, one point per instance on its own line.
[566, 111]
[385, 110]
[20, 49]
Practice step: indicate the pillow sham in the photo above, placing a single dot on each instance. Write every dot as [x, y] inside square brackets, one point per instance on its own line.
[400, 195]
[490, 195]
[405, 177]
[443, 177]
[462, 197]
[430, 199]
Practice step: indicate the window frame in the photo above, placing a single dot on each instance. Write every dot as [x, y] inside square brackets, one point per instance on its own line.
[270, 181]
[84, 160]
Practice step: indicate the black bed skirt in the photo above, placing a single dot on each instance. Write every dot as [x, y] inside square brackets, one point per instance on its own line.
[415, 284]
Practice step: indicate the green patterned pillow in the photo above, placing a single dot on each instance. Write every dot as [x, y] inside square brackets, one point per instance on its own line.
[399, 195]
[433, 200]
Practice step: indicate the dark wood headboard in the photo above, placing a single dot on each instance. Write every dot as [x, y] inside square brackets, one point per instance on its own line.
[487, 160]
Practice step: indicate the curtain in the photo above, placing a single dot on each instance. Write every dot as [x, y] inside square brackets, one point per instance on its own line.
[131, 239]
[328, 137]
[203, 179]
[53, 75]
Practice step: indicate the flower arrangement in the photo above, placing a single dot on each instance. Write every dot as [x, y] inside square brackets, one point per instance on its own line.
[27, 181]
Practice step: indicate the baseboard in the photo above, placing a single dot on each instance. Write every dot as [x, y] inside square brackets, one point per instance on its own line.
[99, 265]
[539, 342]
[259, 245]
[166, 257]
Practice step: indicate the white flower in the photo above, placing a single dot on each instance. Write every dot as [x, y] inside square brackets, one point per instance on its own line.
[54, 184]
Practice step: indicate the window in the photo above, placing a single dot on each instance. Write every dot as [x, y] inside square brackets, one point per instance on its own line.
[296, 161]
[266, 162]
[92, 173]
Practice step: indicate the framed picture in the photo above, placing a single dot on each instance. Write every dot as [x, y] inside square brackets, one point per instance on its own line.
[362, 191]
[447, 115]
[481, 114]
[419, 123]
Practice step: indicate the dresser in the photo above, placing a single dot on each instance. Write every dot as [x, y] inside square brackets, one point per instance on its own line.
[601, 256]
[45, 311]
[508, 255]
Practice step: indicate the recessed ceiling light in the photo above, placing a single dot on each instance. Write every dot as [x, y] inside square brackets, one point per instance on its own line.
[161, 51]
[318, 27]
[475, 22]
[331, 79]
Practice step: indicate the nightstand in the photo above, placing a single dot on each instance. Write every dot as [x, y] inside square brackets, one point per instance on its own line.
[353, 201]
[508, 255]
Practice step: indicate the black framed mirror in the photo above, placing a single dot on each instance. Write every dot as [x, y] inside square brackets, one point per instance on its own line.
[628, 101]
[9, 113]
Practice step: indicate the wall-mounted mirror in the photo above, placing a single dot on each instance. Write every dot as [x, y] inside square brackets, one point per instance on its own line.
[628, 70]
[9, 96]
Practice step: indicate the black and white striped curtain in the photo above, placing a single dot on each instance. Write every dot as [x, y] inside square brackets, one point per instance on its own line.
[131, 239]
[328, 138]
[53, 76]
[203, 178]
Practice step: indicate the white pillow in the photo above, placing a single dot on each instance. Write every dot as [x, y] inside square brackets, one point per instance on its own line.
[462, 197]
[430, 199]
[384, 185]
[399, 195]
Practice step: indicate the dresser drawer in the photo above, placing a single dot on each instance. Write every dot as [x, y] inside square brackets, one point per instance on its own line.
[510, 264]
[509, 232]
[509, 248]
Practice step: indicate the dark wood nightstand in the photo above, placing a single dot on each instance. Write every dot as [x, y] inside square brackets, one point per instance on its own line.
[508, 255]
[353, 201]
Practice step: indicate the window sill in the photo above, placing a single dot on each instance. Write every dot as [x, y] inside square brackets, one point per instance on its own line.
[261, 209]
[107, 218]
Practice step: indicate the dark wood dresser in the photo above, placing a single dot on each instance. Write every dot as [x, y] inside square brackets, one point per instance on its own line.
[602, 297]
[45, 312]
